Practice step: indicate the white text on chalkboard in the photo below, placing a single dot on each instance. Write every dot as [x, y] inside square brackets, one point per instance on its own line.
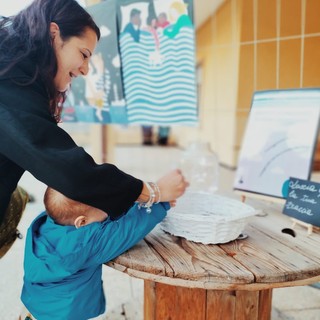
[295, 207]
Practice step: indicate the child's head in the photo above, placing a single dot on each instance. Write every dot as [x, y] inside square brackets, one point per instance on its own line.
[66, 211]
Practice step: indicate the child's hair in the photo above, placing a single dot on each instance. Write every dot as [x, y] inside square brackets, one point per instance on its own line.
[62, 209]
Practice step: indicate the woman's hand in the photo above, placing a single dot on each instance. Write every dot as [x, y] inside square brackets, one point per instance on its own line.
[172, 185]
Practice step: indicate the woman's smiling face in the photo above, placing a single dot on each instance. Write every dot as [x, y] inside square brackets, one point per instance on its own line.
[72, 55]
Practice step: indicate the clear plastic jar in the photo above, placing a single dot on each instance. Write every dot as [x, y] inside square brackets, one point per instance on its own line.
[200, 166]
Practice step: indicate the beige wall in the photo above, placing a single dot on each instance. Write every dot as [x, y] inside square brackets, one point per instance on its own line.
[246, 45]
[217, 43]
[252, 45]
[280, 45]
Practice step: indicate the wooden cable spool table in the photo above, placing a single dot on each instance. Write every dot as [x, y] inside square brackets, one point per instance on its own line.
[184, 280]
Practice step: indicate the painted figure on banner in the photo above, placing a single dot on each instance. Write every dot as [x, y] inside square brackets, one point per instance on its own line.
[99, 97]
[133, 27]
[98, 86]
[155, 57]
[158, 67]
[162, 20]
[179, 18]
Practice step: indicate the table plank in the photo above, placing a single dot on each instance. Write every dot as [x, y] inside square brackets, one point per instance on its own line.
[276, 222]
[265, 304]
[149, 300]
[269, 260]
[221, 305]
[173, 302]
[266, 259]
[247, 305]
[194, 261]
[143, 258]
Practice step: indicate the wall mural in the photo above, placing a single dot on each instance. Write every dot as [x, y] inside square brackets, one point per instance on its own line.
[149, 76]
[99, 96]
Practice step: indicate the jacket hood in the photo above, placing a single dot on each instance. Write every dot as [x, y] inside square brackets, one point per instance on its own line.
[53, 251]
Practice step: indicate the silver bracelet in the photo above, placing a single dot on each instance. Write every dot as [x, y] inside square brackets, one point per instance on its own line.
[151, 199]
[156, 190]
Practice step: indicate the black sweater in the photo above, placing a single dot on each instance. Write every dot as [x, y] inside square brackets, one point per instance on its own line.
[31, 140]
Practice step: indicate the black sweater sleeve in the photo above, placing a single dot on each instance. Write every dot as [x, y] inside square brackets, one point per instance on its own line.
[31, 139]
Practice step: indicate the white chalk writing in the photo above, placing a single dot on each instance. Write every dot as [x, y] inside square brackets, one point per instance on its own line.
[290, 205]
[301, 186]
[306, 198]
[292, 194]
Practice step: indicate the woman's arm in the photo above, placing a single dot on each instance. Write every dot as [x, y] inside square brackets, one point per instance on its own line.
[30, 138]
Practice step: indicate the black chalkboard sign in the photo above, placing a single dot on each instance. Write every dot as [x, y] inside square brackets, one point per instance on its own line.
[303, 201]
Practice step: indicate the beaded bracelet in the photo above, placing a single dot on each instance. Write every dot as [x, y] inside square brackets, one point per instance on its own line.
[157, 190]
[151, 199]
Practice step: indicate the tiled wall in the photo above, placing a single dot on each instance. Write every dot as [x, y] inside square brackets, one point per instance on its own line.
[218, 55]
[279, 48]
[249, 45]
[253, 45]
[280, 42]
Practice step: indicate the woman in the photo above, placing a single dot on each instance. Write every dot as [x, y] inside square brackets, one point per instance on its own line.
[42, 49]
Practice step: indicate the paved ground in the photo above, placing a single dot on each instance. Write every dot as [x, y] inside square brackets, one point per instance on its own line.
[125, 294]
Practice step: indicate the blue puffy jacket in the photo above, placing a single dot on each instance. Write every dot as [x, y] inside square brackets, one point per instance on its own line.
[63, 265]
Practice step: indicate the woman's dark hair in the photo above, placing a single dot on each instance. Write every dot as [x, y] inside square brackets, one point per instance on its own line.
[27, 35]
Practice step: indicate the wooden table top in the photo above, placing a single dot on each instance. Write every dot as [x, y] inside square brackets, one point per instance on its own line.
[268, 258]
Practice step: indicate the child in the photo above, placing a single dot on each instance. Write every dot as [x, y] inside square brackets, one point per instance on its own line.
[65, 248]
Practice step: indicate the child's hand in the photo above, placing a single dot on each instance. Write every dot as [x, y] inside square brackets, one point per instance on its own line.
[173, 203]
